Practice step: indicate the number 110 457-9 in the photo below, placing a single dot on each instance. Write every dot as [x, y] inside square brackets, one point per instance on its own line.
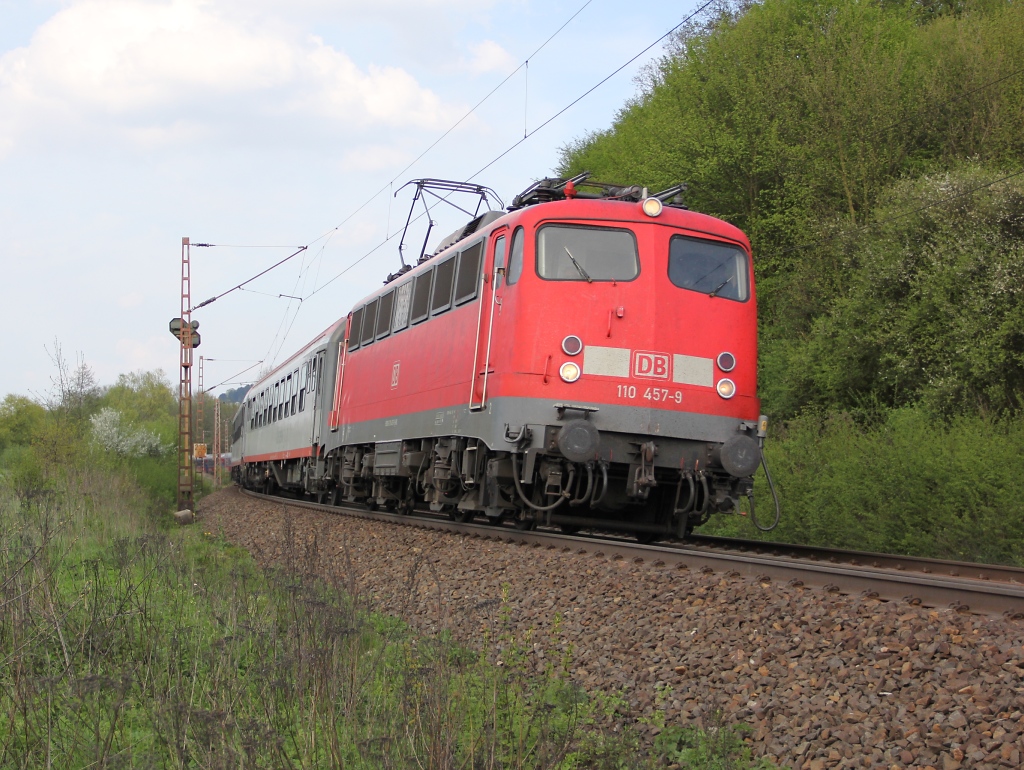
[649, 394]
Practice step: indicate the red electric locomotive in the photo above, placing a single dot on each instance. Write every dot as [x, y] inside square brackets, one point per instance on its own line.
[586, 359]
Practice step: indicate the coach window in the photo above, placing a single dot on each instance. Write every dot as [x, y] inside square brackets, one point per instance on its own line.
[577, 253]
[421, 296]
[295, 390]
[355, 328]
[444, 277]
[266, 406]
[303, 379]
[709, 267]
[403, 303]
[288, 397]
[515, 257]
[369, 322]
[469, 273]
[386, 303]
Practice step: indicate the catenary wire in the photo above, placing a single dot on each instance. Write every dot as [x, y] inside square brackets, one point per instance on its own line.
[232, 377]
[529, 134]
[327, 234]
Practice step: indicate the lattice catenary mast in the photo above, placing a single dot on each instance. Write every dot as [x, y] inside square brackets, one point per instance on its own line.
[185, 468]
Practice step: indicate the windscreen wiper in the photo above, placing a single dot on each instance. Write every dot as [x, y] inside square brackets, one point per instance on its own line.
[578, 265]
[720, 286]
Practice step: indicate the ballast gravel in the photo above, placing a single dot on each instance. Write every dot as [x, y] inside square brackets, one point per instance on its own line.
[823, 680]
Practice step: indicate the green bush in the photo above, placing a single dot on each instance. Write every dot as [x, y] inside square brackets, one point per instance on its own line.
[907, 481]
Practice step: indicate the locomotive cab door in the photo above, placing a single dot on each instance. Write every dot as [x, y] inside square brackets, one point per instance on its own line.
[492, 273]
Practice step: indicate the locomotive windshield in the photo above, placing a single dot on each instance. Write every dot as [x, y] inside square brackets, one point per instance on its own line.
[713, 268]
[574, 253]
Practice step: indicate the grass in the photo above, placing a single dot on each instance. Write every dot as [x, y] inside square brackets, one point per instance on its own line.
[125, 643]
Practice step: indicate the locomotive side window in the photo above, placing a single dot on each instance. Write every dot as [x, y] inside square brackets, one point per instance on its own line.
[499, 260]
[421, 296]
[403, 302]
[444, 277]
[469, 273]
[515, 257]
[713, 268]
[369, 322]
[355, 329]
[574, 253]
[386, 303]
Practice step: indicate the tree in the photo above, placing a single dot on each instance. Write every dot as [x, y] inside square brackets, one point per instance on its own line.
[21, 420]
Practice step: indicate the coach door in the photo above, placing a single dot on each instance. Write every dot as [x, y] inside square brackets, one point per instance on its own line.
[494, 268]
[316, 379]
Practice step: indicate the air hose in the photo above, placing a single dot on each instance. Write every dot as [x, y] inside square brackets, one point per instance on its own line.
[590, 486]
[522, 495]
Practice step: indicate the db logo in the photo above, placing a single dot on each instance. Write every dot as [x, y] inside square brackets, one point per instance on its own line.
[647, 364]
[394, 374]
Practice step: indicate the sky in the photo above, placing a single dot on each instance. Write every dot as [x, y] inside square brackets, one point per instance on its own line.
[260, 127]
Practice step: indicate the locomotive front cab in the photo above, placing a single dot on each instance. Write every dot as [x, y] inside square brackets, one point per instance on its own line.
[627, 365]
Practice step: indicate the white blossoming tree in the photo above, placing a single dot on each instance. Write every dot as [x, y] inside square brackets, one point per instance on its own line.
[114, 433]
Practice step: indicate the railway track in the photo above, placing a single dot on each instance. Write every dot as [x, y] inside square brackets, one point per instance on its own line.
[961, 586]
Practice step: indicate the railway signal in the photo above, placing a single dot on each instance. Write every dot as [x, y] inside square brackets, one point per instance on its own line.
[175, 327]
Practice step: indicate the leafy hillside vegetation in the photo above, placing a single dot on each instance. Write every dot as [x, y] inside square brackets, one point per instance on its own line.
[873, 153]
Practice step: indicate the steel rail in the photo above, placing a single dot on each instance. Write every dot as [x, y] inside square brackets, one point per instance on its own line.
[995, 572]
[962, 594]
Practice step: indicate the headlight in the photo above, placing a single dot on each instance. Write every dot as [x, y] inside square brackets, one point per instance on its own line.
[572, 345]
[651, 206]
[569, 371]
[726, 362]
[726, 388]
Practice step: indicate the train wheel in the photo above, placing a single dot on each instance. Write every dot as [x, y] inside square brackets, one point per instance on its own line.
[569, 529]
[646, 538]
[524, 522]
[460, 516]
[371, 503]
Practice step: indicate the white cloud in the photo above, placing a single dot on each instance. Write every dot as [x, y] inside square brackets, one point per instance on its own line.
[374, 157]
[134, 354]
[488, 56]
[159, 71]
[130, 300]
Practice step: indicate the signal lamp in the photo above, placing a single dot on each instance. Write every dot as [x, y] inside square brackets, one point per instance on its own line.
[569, 371]
[651, 206]
[572, 345]
[726, 362]
[726, 388]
